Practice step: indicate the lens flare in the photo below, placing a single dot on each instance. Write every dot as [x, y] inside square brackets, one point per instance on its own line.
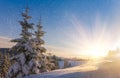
[94, 39]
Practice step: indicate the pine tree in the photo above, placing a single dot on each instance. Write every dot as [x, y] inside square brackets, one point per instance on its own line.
[4, 64]
[30, 58]
[39, 42]
[55, 61]
[1, 65]
[38, 47]
[52, 62]
[45, 61]
[25, 61]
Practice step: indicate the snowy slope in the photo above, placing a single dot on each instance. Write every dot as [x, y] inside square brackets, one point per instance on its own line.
[63, 72]
[76, 66]
[106, 70]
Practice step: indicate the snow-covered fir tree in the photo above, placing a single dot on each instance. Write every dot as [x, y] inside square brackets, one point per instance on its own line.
[46, 61]
[25, 62]
[31, 57]
[1, 65]
[4, 64]
[38, 48]
[55, 61]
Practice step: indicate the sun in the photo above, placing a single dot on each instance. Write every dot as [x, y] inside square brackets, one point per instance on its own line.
[96, 50]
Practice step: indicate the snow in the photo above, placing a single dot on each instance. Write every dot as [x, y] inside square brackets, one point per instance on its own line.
[16, 67]
[25, 69]
[13, 69]
[28, 47]
[56, 73]
[22, 58]
[87, 70]
[59, 72]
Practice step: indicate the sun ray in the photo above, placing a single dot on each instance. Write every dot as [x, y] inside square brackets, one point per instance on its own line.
[95, 40]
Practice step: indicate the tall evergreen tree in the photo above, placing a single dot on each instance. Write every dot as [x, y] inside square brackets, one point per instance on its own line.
[25, 62]
[30, 58]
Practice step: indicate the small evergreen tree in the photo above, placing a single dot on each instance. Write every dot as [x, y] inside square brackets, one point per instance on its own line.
[1, 65]
[51, 62]
[4, 64]
[55, 58]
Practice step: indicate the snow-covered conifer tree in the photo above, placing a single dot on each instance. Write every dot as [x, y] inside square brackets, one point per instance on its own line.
[25, 61]
[30, 58]
[38, 48]
[1, 65]
[4, 64]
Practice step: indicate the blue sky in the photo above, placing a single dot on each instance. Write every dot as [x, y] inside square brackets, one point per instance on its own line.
[55, 16]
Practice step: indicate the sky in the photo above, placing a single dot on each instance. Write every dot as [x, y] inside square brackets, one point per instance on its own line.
[73, 27]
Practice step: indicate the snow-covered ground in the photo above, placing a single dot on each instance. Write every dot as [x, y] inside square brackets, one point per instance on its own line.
[105, 70]
[75, 67]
